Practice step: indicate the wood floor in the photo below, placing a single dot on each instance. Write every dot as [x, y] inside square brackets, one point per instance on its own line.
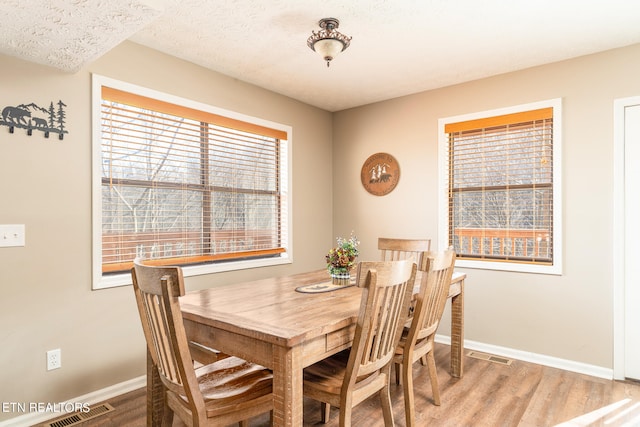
[489, 394]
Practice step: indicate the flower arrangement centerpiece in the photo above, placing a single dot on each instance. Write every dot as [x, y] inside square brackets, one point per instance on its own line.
[342, 258]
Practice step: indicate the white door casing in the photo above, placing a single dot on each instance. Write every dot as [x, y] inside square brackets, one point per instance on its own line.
[626, 251]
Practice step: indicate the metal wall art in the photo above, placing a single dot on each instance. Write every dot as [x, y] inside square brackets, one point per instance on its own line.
[33, 117]
[380, 174]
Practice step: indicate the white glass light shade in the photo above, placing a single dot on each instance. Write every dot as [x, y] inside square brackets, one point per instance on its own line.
[328, 48]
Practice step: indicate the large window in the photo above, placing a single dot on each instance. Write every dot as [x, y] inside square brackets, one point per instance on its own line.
[501, 172]
[178, 183]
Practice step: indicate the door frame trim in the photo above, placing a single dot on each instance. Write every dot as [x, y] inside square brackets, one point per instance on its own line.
[619, 279]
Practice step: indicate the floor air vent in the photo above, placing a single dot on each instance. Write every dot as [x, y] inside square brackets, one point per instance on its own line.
[79, 417]
[489, 357]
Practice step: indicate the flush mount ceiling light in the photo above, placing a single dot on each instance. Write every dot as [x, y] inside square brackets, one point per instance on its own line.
[328, 42]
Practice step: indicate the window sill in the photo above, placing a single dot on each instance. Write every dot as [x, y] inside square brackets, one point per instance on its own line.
[117, 280]
[510, 266]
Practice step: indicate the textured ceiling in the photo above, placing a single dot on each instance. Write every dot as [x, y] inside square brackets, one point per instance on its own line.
[398, 47]
[67, 34]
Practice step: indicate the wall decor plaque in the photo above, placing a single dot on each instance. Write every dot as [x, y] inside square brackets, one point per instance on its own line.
[380, 174]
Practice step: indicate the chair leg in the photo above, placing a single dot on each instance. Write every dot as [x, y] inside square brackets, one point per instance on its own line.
[407, 388]
[325, 410]
[423, 360]
[167, 418]
[433, 375]
[397, 367]
[346, 406]
[385, 400]
[345, 416]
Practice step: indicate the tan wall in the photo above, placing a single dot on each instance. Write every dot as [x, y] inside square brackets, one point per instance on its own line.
[46, 299]
[568, 316]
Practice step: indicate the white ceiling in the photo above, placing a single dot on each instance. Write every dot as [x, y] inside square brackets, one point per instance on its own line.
[399, 47]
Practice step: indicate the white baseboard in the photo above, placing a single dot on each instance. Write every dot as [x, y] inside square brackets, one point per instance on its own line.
[540, 359]
[31, 418]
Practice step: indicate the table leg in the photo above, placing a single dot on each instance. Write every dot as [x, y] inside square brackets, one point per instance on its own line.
[287, 387]
[457, 333]
[156, 398]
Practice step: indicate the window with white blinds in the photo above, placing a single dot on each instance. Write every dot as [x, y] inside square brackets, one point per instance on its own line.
[502, 196]
[185, 186]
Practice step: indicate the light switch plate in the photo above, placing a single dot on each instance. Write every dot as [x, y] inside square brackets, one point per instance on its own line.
[11, 235]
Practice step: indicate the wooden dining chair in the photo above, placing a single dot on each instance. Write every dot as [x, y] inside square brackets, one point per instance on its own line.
[392, 249]
[351, 376]
[397, 249]
[417, 341]
[204, 355]
[227, 391]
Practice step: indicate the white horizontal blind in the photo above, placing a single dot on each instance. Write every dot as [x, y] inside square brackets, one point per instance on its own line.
[501, 187]
[182, 187]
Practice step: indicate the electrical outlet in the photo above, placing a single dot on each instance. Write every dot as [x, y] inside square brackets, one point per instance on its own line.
[11, 235]
[54, 359]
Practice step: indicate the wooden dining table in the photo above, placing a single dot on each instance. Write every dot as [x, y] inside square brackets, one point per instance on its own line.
[270, 323]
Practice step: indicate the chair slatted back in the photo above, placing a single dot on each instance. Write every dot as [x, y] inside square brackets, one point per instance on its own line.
[434, 290]
[399, 249]
[157, 290]
[387, 290]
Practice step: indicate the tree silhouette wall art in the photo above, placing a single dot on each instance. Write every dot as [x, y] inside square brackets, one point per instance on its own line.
[33, 117]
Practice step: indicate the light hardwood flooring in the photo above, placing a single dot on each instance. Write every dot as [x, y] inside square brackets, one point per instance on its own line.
[489, 394]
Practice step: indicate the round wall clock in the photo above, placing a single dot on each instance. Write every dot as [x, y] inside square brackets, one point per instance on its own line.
[380, 174]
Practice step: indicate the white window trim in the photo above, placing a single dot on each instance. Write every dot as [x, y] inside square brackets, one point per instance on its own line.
[109, 281]
[443, 200]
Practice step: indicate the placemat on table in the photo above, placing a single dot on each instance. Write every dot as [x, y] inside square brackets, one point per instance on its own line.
[315, 288]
